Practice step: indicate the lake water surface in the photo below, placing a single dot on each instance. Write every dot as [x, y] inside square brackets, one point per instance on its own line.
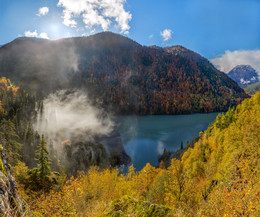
[146, 137]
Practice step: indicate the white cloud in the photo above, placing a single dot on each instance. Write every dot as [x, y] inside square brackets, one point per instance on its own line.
[43, 35]
[43, 11]
[166, 34]
[35, 34]
[96, 13]
[151, 36]
[230, 59]
[31, 34]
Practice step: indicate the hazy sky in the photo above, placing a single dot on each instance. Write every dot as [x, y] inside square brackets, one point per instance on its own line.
[209, 27]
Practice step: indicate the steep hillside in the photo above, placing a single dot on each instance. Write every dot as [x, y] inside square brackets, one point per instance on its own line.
[120, 73]
[219, 176]
[252, 88]
[244, 75]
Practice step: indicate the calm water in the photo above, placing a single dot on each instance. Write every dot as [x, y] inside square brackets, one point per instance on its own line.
[146, 137]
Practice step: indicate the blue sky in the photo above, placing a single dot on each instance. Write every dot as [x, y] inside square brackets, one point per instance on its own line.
[209, 27]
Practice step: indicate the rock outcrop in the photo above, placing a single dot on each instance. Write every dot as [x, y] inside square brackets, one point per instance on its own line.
[11, 203]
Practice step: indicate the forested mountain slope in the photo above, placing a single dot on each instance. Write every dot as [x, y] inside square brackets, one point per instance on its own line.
[252, 88]
[219, 176]
[121, 74]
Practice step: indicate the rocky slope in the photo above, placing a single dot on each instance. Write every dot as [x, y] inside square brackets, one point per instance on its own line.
[11, 204]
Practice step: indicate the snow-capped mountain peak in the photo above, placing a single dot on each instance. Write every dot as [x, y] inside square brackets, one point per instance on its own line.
[244, 75]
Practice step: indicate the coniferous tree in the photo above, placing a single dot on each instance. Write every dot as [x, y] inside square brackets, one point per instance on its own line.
[181, 145]
[10, 140]
[43, 160]
[40, 176]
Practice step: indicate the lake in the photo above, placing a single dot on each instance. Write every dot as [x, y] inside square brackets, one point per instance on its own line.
[146, 137]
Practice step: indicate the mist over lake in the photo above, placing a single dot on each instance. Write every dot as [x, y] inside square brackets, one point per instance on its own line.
[146, 137]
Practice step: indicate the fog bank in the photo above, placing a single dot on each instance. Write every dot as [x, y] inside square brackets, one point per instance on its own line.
[69, 114]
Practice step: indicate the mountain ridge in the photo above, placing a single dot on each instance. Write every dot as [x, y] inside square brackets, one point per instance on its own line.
[121, 74]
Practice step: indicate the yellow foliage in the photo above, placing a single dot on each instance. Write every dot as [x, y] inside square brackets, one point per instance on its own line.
[6, 85]
[220, 176]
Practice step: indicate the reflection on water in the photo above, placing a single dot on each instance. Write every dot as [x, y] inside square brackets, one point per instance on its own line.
[146, 137]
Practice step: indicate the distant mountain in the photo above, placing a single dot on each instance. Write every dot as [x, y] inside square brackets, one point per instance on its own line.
[252, 88]
[121, 74]
[244, 75]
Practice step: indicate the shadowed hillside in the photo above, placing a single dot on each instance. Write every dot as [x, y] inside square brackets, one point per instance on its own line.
[121, 74]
